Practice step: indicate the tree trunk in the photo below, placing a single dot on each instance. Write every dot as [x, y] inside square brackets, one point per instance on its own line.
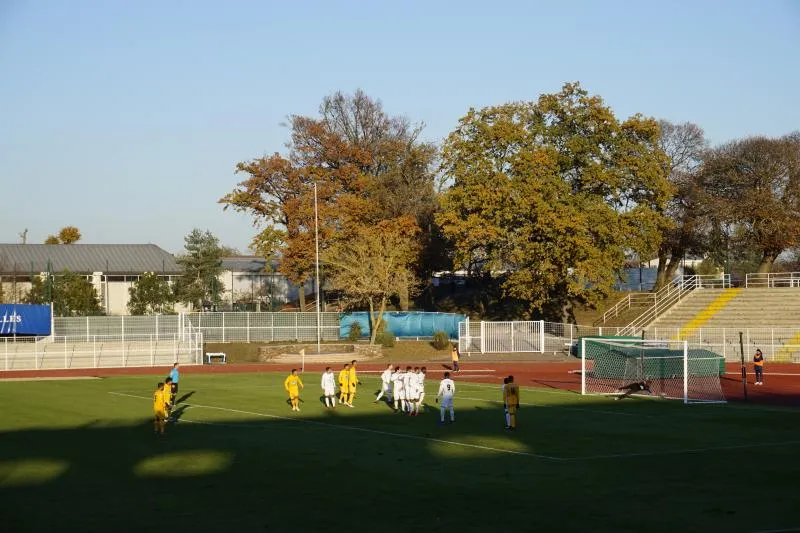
[661, 273]
[301, 295]
[767, 260]
[672, 267]
[376, 319]
[403, 295]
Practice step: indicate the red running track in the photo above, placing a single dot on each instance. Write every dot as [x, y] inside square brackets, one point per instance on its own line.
[781, 381]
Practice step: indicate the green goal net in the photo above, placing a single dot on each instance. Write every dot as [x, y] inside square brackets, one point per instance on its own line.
[669, 369]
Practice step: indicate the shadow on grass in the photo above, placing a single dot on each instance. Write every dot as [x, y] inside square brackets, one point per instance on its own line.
[216, 469]
[184, 397]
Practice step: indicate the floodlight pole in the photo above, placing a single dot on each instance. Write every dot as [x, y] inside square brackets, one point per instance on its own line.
[316, 242]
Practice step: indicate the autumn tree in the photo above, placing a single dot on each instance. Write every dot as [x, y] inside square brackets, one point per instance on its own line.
[368, 167]
[201, 265]
[753, 189]
[684, 145]
[67, 235]
[553, 194]
[371, 267]
[149, 295]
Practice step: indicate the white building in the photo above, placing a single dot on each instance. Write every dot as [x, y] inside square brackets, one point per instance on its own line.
[113, 268]
[253, 284]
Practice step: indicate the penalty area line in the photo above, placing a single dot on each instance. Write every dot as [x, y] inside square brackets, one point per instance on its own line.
[543, 406]
[356, 428]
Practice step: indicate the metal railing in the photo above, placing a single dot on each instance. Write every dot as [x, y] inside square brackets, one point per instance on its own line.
[631, 300]
[674, 292]
[772, 279]
[657, 301]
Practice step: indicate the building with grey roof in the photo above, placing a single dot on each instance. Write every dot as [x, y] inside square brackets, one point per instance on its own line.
[111, 259]
[248, 282]
[111, 268]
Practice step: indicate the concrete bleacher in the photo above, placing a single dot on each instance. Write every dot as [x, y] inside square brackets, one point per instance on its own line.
[750, 308]
[45, 354]
[768, 319]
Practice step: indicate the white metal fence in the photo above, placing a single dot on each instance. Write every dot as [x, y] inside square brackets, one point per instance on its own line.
[779, 344]
[100, 351]
[500, 337]
[773, 279]
[215, 327]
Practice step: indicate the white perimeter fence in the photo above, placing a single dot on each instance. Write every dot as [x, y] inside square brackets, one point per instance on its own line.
[215, 327]
[158, 340]
[777, 343]
[100, 351]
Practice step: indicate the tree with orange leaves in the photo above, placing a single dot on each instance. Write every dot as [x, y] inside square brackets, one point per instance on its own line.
[369, 168]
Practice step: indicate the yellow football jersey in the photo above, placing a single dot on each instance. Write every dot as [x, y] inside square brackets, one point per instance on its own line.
[292, 384]
[511, 394]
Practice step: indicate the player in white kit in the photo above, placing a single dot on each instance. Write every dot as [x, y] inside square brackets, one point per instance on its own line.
[398, 379]
[421, 387]
[386, 385]
[328, 385]
[412, 388]
[409, 387]
[447, 389]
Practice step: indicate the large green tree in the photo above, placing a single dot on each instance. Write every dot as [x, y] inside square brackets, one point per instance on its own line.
[149, 295]
[553, 195]
[71, 294]
[368, 167]
[752, 188]
[201, 265]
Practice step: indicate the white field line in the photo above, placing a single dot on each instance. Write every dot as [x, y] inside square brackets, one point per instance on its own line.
[488, 448]
[356, 428]
[60, 378]
[441, 371]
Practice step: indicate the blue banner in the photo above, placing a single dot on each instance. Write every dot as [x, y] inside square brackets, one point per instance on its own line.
[405, 324]
[21, 319]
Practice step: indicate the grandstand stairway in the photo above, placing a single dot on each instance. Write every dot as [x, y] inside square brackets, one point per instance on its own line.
[734, 308]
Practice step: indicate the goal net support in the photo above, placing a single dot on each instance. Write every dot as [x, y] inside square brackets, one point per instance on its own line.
[667, 369]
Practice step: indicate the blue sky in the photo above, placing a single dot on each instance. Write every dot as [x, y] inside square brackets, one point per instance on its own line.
[126, 118]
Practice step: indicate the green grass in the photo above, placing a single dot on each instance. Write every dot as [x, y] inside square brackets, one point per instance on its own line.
[81, 456]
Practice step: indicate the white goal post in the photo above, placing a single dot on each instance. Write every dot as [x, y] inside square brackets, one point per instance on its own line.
[621, 366]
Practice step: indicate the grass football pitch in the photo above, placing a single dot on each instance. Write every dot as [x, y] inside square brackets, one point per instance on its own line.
[80, 455]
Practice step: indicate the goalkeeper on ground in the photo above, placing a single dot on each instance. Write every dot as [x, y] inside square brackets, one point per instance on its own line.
[639, 386]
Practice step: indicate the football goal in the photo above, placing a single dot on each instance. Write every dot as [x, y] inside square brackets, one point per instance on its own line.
[621, 366]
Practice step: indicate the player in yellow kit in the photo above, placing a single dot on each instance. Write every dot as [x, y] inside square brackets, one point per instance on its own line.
[159, 409]
[167, 390]
[353, 383]
[344, 384]
[293, 384]
[511, 401]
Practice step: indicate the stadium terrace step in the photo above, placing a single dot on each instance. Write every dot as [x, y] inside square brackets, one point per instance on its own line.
[749, 307]
[331, 358]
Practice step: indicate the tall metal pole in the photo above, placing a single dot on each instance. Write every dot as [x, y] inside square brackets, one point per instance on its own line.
[316, 242]
[744, 368]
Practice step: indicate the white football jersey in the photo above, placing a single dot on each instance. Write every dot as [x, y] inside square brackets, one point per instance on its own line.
[399, 380]
[328, 380]
[447, 388]
[386, 377]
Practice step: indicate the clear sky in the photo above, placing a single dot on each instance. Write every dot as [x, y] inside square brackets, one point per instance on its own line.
[126, 118]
